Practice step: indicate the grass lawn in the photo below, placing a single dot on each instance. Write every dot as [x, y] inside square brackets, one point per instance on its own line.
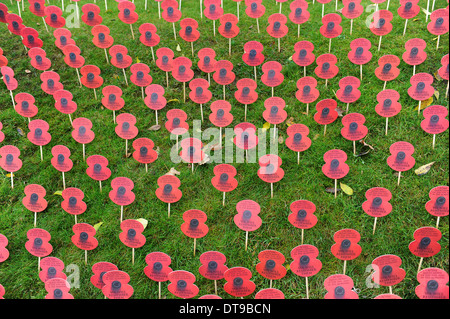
[19, 274]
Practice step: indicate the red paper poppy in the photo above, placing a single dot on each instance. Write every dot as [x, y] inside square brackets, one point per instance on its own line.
[387, 70]
[352, 9]
[170, 11]
[207, 62]
[38, 242]
[73, 201]
[63, 38]
[220, 113]
[272, 75]
[331, 27]
[3, 59]
[57, 288]
[438, 25]
[213, 265]
[324, 1]
[224, 178]
[189, 30]
[199, 91]
[2, 135]
[335, 166]
[360, 53]
[131, 234]
[433, 284]
[182, 69]
[191, 150]
[401, 159]
[25, 105]
[238, 282]
[112, 98]
[4, 253]
[421, 88]
[61, 160]
[121, 193]
[194, 224]
[438, 205]
[339, 287]
[148, 37]
[246, 93]
[353, 129]
[144, 152]
[213, 10]
[381, 23]
[209, 297]
[387, 296]
[82, 132]
[98, 168]
[271, 264]
[408, 9]
[116, 285]
[326, 66]
[54, 17]
[38, 134]
[3, 12]
[126, 12]
[253, 53]
[228, 26]
[9, 159]
[64, 103]
[269, 293]
[34, 199]
[444, 70]
[126, 128]
[167, 190]
[247, 217]
[119, 57]
[435, 121]
[91, 14]
[302, 215]
[245, 138]
[182, 282]
[326, 112]
[254, 9]
[8, 78]
[224, 74]
[84, 236]
[140, 74]
[388, 104]
[387, 271]
[304, 55]
[377, 203]
[2, 292]
[100, 269]
[165, 59]
[277, 27]
[15, 23]
[52, 267]
[307, 92]
[102, 39]
[270, 170]
[91, 76]
[157, 268]
[31, 38]
[348, 89]
[176, 122]
[38, 59]
[305, 262]
[155, 99]
[425, 242]
[72, 56]
[415, 54]
[274, 113]
[299, 12]
[50, 82]
[346, 246]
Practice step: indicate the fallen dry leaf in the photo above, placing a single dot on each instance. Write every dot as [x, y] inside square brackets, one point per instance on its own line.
[173, 172]
[422, 170]
[331, 190]
[154, 127]
[280, 139]
[340, 112]
[290, 121]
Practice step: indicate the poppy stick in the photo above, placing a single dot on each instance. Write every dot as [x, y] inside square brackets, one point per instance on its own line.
[298, 158]
[195, 245]
[438, 39]
[145, 7]
[348, 105]
[42, 154]
[121, 213]
[100, 186]
[399, 176]
[192, 48]
[238, 10]
[379, 43]
[64, 181]
[156, 115]
[414, 70]
[168, 210]
[420, 264]
[201, 11]
[132, 256]
[95, 94]
[420, 106]
[387, 123]
[360, 71]
[167, 77]
[437, 222]
[85, 257]
[224, 92]
[153, 54]
[354, 147]
[39, 264]
[12, 98]
[281, 3]
[326, 83]
[245, 113]
[374, 226]
[246, 240]
[70, 119]
[84, 152]
[114, 116]
[406, 23]
[279, 45]
[390, 290]
[35, 218]
[142, 91]
[335, 188]
[329, 47]
[45, 24]
[125, 76]
[159, 9]
[214, 27]
[432, 7]
[23, 5]
[304, 70]
[159, 283]
[307, 288]
[229, 46]
[307, 108]
[351, 26]
[272, 91]
[223, 203]
[270, 285]
[192, 167]
[220, 136]
[345, 266]
[434, 140]
[184, 91]
[209, 78]
[146, 167]
[298, 31]
[12, 180]
[271, 190]
[18, 8]
[303, 232]
[201, 111]
[174, 32]
[325, 130]
[79, 79]
[215, 286]
[428, 10]
[76, 222]
[126, 147]
[255, 72]
[257, 24]
[384, 86]
[323, 9]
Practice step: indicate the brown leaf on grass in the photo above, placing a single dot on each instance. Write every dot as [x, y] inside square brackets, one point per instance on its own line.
[437, 76]
[27, 71]
[316, 137]
[290, 121]
[331, 190]
[367, 148]
[280, 139]
[154, 127]
[340, 111]
[422, 170]
[173, 172]
[127, 155]
[424, 104]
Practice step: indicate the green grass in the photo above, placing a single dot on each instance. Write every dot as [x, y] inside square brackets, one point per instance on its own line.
[394, 232]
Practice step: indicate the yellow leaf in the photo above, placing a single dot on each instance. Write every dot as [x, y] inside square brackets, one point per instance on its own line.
[290, 121]
[290, 58]
[422, 170]
[424, 104]
[97, 226]
[143, 221]
[115, 76]
[137, 60]
[436, 94]
[266, 126]
[178, 48]
[288, 267]
[173, 100]
[346, 189]
[9, 175]
[57, 193]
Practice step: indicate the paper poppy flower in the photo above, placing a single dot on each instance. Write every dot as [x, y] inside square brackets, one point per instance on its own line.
[346, 246]
[213, 265]
[112, 99]
[326, 66]
[224, 178]
[116, 285]
[210, 297]
[38, 242]
[100, 269]
[272, 75]
[444, 70]
[4, 253]
[189, 32]
[31, 38]
[381, 22]
[305, 262]
[131, 235]
[82, 132]
[388, 104]
[438, 25]
[253, 53]
[302, 215]
[54, 17]
[101, 38]
[3, 59]
[165, 59]
[277, 27]
[238, 282]
[64, 103]
[269, 293]
[438, 203]
[182, 282]
[220, 113]
[331, 27]
[299, 12]
[157, 268]
[144, 152]
[176, 122]
[377, 203]
[228, 26]
[207, 60]
[354, 128]
[63, 38]
[274, 110]
[224, 74]
[432, 284]
[25, 105]
[245, 136]
[352, 9]
[435, 121]
[246, 93]
[126, 128]
[73, 201]
[170, 11]
[52, 267]
[307, 92]
[167, 190]
[2, 135]
[50, 82]
[140, 74]
[270, 170]
[401, 159]
[348, 89]
[119, 57]
[155, 99]
[98, 168]
[191, 150]
[335, 166]
[39, 60]
[326, 112]
[3, 12]
[61, 160]
[8, 78]
[182, 71]
[387, 68]
[359, 53]
[34, 199]
[304, 55]
[91, 14]
[127, 12]
[91, 76]
[387, 271]
[247, 217]
[15, 23]
[421, 88]
[339, 287]
[408, 9]
[425, 242]
[121, 193]
[57, 288]
[387, 296]
[194, 224]
[148, 36]
[213, 10]
[38, 134]
[9, 158]
[254, 9]
[271, 264]
[84, 236]
[199, 91]
[72, 56]
[414, 51]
